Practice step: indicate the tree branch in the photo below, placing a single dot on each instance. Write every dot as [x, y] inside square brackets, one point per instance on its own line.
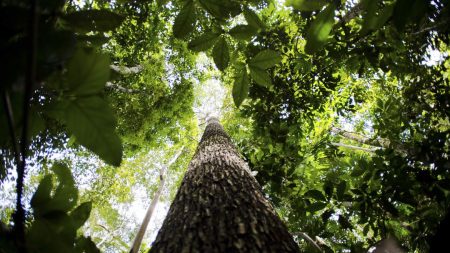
[120, 88]
[372, 150]
[309, 239]
[123, 70]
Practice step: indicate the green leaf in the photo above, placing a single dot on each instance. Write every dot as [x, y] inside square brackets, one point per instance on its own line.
[204, 42]
[265, 59]
[357, 172]
[185, 20]
[220, 9]
[345, 224]
[42, 195]
[87, 72]
[243, 32]
[241, 86]
[93, 123]
[221, 54]
[317, 206]
[340, 190]
[306, 5]
[315, 194]
[66, 194]
[86, 245]
[260, 76]
[81, 214]
[406, 11]
[319, 31]
[253, 19]
[371, 21]
[93, 20]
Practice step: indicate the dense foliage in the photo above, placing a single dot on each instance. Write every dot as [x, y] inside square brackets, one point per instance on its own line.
[341, 107]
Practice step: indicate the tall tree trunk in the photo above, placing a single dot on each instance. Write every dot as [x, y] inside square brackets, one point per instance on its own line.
[148, 216]
[220, 207]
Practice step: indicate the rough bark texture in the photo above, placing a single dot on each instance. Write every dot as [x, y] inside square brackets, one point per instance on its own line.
[220, 207]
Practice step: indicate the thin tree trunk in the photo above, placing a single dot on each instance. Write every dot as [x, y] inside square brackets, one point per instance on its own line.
[309, 240]
[380, 143]
[162, 179]
[360, 138]
[220, 206]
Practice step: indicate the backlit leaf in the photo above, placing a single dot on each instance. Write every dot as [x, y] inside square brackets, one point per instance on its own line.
[87, 72]
[319, 31]
[243, 32]
[253, 19]
[185, 20]
[204, 42]
[221, 54]
[241, 86]
[306, 5]
[260, 76]
[93, 123]
[220, 9]
[265, 59]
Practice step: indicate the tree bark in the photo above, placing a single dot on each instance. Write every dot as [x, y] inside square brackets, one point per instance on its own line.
[220, 206]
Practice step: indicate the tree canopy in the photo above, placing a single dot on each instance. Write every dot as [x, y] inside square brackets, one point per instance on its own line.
[340, 107]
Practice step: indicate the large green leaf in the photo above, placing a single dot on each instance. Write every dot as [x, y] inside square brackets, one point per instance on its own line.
[319, 31]
[87, 72]
[185, 21]
[372, 21]
[221, 54]
[340, 190]
[241, 86]
[220, 9]
[315, 194]
[204, 42]
[260, 76]
[253, 19]
[316, 206]
[66, 194]
[42, 195]
[406, 11]
[306, 5]
[243, 32]
[265, 59]
[86, 245]
[81, 214]
[93, 123]
[93, 20]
